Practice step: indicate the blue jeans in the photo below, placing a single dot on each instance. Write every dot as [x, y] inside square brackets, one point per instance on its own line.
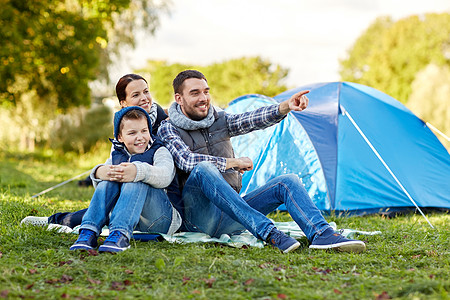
[134, 205]
[211, 206]
[70, 219]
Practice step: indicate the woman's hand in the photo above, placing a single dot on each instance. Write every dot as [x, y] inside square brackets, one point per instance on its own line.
[125, 172]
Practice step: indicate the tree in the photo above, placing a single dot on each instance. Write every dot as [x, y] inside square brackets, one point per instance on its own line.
[55, 47]
[160, 75]
[247, 75]
[51, 50]
[228, 80]
[389, 54]
[355, 67]
[430, 98]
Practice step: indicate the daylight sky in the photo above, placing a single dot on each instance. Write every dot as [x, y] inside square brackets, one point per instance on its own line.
[308, 37]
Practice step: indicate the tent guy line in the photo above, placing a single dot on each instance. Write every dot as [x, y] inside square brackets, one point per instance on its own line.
[347, 114]
[60, 184]
[438, 131]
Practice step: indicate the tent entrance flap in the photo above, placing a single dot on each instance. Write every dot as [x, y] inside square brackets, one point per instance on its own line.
[347, 114]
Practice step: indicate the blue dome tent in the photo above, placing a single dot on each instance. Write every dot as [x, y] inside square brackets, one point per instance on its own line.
[356, 149]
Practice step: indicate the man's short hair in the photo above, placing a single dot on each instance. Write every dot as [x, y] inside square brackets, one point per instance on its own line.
[182, 76]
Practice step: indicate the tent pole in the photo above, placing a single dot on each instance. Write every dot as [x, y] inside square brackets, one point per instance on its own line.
[345, 112]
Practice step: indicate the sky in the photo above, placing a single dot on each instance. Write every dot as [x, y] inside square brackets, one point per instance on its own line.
[307, 37]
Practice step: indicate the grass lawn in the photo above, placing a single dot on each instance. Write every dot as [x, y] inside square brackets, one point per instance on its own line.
[409, 260]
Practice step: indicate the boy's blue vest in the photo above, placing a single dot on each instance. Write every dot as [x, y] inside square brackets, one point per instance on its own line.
[120, 155]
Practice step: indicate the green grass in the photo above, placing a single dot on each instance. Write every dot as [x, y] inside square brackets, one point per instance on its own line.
[409, 260]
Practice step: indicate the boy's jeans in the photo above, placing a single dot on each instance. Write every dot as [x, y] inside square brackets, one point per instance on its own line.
[134, 205]
[211, 206]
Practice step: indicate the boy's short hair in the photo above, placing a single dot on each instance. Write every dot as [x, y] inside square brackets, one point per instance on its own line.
[133, 114]
[182, 76]
[130, 113]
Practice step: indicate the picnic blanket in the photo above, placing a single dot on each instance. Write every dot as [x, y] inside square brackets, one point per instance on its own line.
[238, 240]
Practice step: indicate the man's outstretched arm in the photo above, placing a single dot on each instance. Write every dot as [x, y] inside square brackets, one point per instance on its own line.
[266, 116]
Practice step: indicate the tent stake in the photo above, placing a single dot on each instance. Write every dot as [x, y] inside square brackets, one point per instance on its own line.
[59, 184]
[345, 113]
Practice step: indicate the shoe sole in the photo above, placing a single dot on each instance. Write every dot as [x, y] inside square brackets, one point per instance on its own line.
[112, 249]
[292, 248]
[80, 247]
[355, 247]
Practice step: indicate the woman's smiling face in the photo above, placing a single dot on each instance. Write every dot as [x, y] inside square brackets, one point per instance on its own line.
[138, 94]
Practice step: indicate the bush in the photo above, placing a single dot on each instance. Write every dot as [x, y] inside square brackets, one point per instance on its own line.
[81, 130]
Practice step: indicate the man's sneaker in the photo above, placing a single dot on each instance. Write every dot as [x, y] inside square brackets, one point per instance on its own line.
[86, 241]
[115, 242]
[35, 221]
[332, 240]
[282, 241]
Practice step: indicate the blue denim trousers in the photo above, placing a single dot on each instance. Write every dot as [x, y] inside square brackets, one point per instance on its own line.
[133, 205]
[211, 206]
[70, 219]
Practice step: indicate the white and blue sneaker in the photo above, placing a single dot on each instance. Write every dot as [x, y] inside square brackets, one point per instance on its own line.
[87, 240]
[35, 221]
[282, 241]
[115, 242]
[329, 239]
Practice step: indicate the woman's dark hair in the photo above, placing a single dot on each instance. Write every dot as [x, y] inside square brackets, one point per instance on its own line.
[182, 76]
[123, 83]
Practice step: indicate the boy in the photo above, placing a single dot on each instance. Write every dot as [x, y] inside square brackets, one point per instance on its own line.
[124, 196]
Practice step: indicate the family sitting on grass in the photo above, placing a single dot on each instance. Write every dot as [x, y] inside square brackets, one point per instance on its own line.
[135, 190]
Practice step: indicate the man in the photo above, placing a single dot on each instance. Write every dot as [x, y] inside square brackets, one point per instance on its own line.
[210, 176]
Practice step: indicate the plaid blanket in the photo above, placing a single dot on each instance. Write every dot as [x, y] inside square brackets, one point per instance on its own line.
[240, 240]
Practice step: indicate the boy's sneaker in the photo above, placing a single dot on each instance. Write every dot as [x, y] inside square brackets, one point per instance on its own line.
[332, 240]
[282, 241]
[86, 241]
[35, 221]
[115, 242]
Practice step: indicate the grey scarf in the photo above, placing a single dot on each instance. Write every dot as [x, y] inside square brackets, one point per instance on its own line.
[180, 120]
[152, 113]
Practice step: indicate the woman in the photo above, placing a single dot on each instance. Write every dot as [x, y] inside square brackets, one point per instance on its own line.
[131, 90]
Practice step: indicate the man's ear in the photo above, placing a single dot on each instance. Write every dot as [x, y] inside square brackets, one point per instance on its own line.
[123, 103]
[178, 98]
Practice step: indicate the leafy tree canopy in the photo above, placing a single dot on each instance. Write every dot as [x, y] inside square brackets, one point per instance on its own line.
[55, 47]
[228, 80]
[388, 55]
